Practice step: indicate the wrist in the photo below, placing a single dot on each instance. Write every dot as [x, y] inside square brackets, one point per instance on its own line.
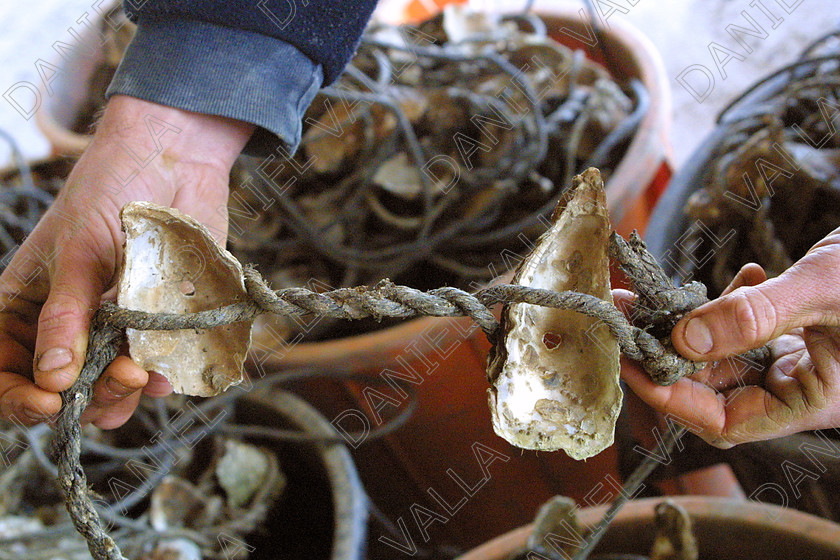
[147, 131]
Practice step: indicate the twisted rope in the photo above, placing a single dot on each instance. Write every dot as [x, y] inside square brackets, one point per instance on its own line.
[385, 299]
[103, 346]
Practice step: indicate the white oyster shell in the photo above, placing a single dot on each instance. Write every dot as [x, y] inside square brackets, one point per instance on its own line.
[172, 264]
[554, 373]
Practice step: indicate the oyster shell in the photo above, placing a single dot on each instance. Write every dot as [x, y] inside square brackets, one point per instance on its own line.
[554, 372]
[556, 525]
[244, 469]
[177, 502]
[172, 264]
[675, 538]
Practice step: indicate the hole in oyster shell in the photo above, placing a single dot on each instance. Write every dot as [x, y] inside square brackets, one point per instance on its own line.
[552, 340]
[187, 288]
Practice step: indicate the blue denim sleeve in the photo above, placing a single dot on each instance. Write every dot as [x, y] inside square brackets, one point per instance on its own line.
[327, 31]
[212, 69]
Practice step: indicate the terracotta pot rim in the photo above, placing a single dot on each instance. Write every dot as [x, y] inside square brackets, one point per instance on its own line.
[349, 502]
[781, 519]
[64, 141]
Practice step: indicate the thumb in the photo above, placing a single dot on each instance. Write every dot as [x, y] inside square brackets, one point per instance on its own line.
[751, 316]
[76, 288]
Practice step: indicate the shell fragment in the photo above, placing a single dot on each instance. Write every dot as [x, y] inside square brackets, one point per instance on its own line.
[554, 372]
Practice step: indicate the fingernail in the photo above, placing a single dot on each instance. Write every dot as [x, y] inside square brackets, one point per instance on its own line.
[116, 388]
[55, 358]
[698, 337]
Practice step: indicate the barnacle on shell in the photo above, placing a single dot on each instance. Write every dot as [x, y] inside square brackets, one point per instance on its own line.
[554, 372]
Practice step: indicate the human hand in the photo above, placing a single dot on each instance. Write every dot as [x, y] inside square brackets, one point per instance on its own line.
[59, 275]
[729, 402]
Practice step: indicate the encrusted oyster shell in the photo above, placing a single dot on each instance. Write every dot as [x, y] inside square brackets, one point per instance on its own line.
[554, 373]
[172, 264]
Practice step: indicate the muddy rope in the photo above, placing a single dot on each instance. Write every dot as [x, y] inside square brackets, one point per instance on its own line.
[659, 306]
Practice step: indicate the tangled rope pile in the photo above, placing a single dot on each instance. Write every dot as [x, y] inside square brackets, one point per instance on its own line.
[659, 307]
[766, 180]
[441, 151]
[26, 191]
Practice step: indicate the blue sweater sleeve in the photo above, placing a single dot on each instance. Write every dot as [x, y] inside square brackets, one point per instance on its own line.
[260, 61]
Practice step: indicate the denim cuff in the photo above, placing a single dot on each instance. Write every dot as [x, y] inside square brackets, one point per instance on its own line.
[216, 70]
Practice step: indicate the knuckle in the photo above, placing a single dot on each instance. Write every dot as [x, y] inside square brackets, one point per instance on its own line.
[754, 314]
[729, 437]
[816, 396]
[56, 315]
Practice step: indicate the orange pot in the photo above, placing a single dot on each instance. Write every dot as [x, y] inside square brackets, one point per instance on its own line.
[632, 189]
